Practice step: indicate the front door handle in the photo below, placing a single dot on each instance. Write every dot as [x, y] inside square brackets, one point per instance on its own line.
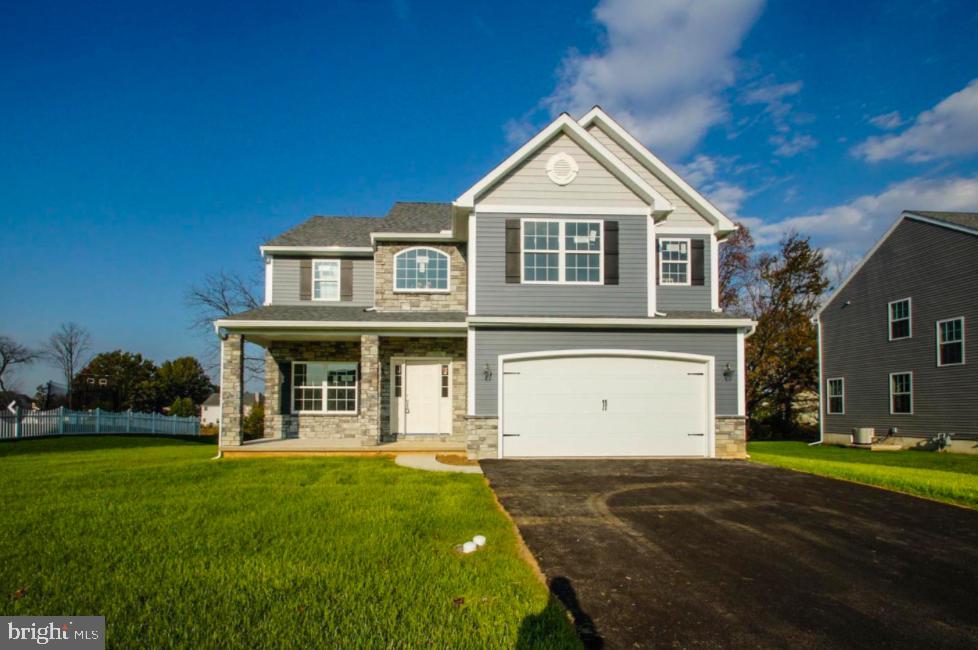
[407, 407]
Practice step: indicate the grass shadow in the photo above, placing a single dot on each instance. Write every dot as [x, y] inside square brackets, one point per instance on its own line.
[546, 629]
[92, 442]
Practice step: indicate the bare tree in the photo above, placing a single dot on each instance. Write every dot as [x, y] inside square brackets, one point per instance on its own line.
[67, 349]
[12, 355]
[220, 295]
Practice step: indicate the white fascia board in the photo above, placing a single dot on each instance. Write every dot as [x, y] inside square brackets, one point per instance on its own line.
[235, 325]
[501, 208]
[642, 323]
[316, 250]
[471, 266]
[938, 222]
[859, 265]
[566, 124]
[657, 167]
[269, 278]
[444, 235]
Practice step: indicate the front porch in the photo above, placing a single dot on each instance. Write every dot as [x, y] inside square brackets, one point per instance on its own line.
[344, 393]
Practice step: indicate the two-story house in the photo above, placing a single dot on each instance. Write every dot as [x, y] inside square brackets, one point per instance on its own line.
[564, 305]
[894, 339]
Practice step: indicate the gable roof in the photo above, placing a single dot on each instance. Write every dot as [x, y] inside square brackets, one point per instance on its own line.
[658, 168]
[961, 221]
[565, 124]
[409, 217]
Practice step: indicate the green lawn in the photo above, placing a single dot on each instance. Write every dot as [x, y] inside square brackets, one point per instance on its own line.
[178, 550]
[952, 478]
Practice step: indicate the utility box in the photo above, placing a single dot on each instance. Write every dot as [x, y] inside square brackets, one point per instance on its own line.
[863, 435]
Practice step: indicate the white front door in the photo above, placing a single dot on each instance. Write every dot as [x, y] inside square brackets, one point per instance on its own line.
[594, 405]
[422, 397]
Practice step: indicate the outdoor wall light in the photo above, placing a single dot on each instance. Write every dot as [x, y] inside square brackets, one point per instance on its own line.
[727, 372]
[487, 373]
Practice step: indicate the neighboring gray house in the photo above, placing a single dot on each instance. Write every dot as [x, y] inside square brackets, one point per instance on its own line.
[895, 340]
[565, 305]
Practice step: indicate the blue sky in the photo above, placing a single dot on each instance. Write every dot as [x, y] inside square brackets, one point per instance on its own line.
[144, 146]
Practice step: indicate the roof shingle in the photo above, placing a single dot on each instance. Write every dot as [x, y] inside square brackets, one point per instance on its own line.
[355, 231]
[966, 219]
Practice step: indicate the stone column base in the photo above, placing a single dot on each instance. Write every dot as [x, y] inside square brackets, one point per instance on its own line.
[482, 437]
[731, 436]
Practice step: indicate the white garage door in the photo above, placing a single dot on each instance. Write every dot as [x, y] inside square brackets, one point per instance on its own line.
[602, 405]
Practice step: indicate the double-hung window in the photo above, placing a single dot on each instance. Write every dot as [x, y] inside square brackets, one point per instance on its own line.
[324, 387]
[836, 396]
[326, 280]
[674, 261]
[950, 342]
[901, 393]
[899, 319]
[563, 252]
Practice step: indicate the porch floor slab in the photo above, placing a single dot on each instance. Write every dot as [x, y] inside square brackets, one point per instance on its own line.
[314, 447]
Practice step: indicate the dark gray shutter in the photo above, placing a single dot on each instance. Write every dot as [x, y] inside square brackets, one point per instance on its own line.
[696, 262]
[346, 280]
[611, 252]
[658, 267]
[512, 251]
[305, 279]
[285, 397]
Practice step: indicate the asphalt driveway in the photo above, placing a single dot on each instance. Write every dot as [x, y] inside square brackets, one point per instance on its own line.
[672, 553]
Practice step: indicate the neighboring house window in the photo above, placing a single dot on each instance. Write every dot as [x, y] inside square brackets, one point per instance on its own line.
[950, 342]
[837, 396]
[674, 261]
[900, 319]
[320, 387]
[421, 269]
[901, 393]
[565, 252]
[326, 280]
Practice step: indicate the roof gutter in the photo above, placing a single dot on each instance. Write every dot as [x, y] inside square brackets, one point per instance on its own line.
[626, 323]
[314, 250]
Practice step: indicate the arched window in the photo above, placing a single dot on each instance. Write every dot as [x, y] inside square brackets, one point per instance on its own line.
[421, 269]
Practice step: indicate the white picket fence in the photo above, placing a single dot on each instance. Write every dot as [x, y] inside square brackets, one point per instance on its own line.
[56, 422]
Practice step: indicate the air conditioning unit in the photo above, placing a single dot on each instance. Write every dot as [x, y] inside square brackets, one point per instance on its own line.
[863, 435]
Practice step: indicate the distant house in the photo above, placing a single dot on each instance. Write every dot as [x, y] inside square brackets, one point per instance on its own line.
[896, 340]
[210, 410]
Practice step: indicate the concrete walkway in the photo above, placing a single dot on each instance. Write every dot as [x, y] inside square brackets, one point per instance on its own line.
[431, 464]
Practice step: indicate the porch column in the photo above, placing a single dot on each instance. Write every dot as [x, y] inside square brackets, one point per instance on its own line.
[369, 389]
[232, 384]
[273, 397]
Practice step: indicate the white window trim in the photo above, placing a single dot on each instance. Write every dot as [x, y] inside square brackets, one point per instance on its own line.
[889, 319]
[448, 270]
[325, 389]
[890, 391]
[339, 280]
[937, 334]
[561, 252]
[689, 262]
[829, 396]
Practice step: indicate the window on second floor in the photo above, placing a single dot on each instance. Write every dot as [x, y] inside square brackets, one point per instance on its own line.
[950, 342]
[674, 261]
[326, 280]
[836, 396]
[899, 319]
[421, 270]
[562, 252]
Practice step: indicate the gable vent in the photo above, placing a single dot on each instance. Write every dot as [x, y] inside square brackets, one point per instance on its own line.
[562, 168]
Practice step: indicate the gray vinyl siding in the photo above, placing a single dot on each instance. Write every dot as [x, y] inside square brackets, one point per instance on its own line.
[285, 282]
[682, 298]
[594, 185]
[494, 297]
[490, 343]
[937, 268]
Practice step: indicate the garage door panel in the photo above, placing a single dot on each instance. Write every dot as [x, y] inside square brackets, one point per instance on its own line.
[604, 406]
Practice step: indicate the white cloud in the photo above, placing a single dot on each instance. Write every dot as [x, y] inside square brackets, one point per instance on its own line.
[773, 97]
[788, 146]
[701, 173]
[662, 71]
[887, 121]
[846, 231]
[948, 129]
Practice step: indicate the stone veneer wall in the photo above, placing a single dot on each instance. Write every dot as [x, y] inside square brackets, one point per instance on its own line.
[232, 382]
[448, 347]
[482, 439]
[731, 437]
[362, 426]
[386, 299]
